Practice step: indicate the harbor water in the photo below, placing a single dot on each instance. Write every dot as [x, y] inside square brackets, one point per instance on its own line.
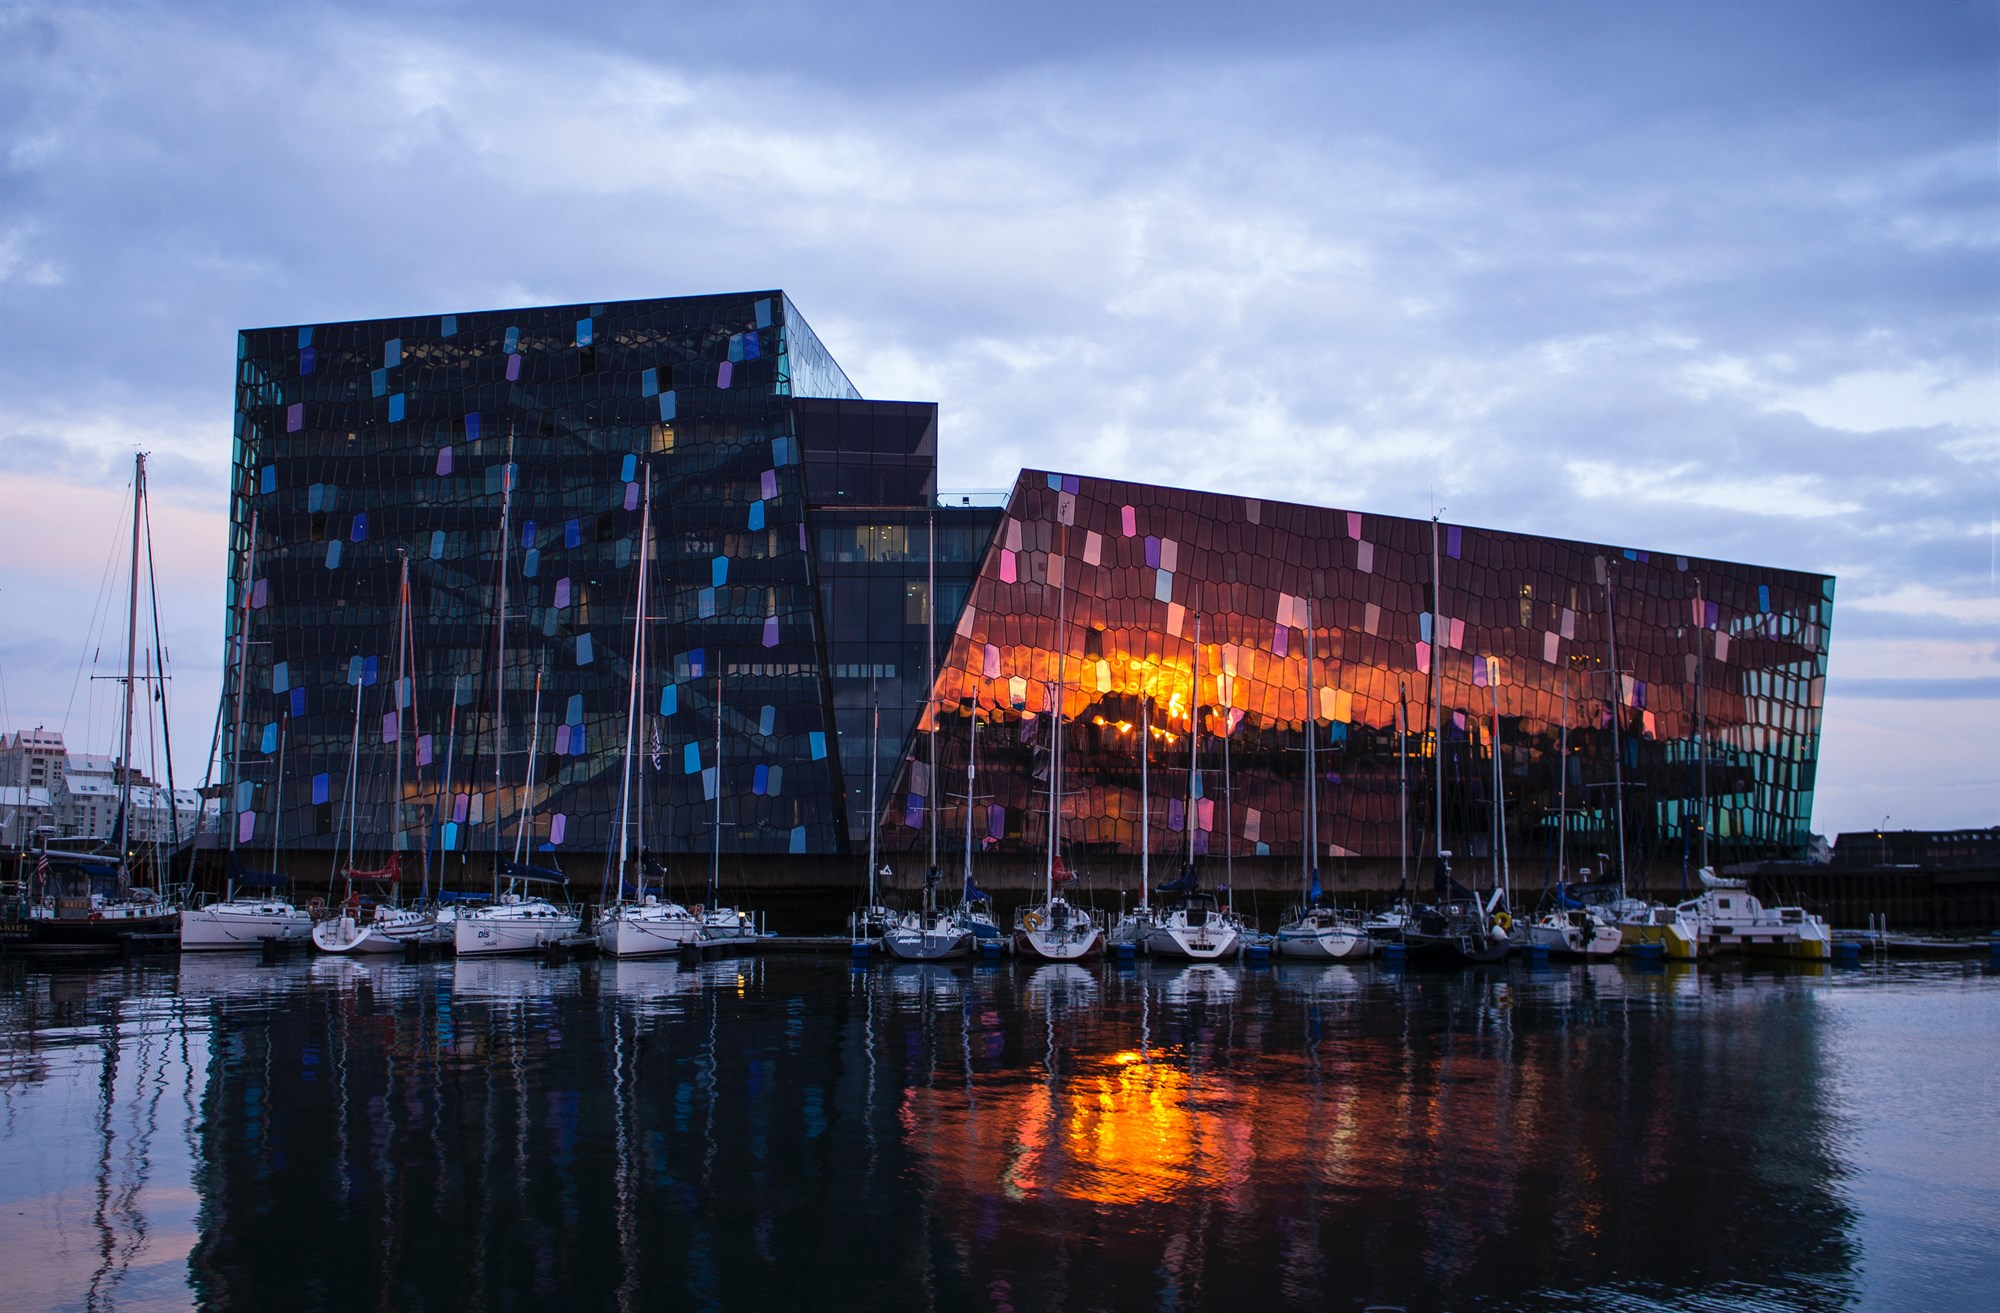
[790, 1133]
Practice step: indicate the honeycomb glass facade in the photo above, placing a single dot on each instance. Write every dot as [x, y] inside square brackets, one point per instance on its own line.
[1144, 614]
[505, 457]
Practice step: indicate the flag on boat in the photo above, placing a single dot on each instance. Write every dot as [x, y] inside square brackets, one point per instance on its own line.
[1063, 875]
[973, 893]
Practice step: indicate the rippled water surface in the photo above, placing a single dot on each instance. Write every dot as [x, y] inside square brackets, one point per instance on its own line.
[786, 1133]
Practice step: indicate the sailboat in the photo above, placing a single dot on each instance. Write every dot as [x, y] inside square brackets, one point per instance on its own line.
[975, 905]
[719, 923]
[1055, 929]
[519, 919]
[1128, 933]
[347, 931]
[1642, 924]
[246, 920]
[933, 933]
[870, 921]
[1313, 930]
[1386, 926]
[1195, 924]
[1572, 927]
[645, 925]
[1456, 926]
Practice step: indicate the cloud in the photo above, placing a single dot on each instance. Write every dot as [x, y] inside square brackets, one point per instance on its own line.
[1699, 279]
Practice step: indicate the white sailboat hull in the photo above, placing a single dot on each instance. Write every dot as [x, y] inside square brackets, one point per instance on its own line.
[633, 933]
[512, 928]
[346, 936]
[1198, 944]
[1324, 944]
[1053, 945]
[241, 925]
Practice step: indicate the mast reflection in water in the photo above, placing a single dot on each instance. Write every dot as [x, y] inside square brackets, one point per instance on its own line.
[785, 1133]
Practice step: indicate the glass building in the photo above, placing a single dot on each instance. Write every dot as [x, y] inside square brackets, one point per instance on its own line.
[805, 583]
[504, 457]
[1177, 628]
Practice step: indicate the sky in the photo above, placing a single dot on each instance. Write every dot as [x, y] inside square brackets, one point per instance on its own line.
[1719, 280]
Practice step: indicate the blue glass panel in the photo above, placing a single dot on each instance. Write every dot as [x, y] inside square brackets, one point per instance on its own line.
[472, 427]
[298, 702]
[270, 478]
[691, 758]
[513, 340]
[333, 554]
[776, 784]
[449, 839]
[531, 565]
[735, 347]
[572, 534]
[751, 350]
[270, 741]
[798, 838]
[306, 336]
[395, 408]
[670, 700]
[667, 405]
[818, 741]
[437, 544]
[697, 663]
[718, 571]
[704, 603]
[756, 514]
[379, 381]
[574, 715]
[784, 451]
[320, 787]
[759, 778]
[281, 677]
[629, 470]
[763, 311]
[307, 359]
[448, 326]
[1055, 481]
[767, 719]
[584, 652]
[368, 670]
[528, 534]
[649, 383]
[1764, 598]
[1424, 626]
[358, 531]
[583, 328]
[316, 497]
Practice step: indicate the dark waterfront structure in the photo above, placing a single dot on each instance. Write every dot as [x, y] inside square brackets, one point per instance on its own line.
[507, 453]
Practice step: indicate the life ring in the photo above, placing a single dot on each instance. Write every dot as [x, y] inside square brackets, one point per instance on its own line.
[1032, 921]
[1504, 920]
[315, 907]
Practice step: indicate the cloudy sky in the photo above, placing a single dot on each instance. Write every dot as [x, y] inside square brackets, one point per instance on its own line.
[1718, 280]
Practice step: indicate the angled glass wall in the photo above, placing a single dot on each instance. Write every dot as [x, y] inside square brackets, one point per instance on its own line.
[1145, 615]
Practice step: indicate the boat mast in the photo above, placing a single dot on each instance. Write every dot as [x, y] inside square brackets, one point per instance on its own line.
[1437, 700]
[971, 779]
[1617, 729]
[1065, 512]
[1194, 738]
[874, 776]
[1562, 794]
[715, 842]
[242, 673]
[396, 704]
[632, 689]
[131, 675]
[1145, 800]
[1700, 725]
[1503, 876]
[278, 789]
[1403, 789]
[500, 656]
[930, 681]
[528, 776]
[1310, 849]
[353, 784]
[443, 792]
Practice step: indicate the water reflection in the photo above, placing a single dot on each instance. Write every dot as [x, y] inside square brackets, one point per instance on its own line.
[764, 1132]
